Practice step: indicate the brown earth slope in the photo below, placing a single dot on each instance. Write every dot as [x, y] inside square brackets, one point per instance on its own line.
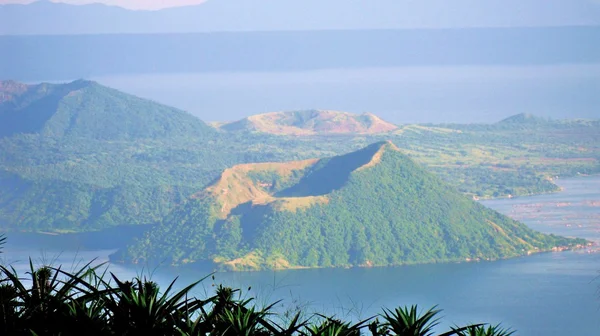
[311, 122]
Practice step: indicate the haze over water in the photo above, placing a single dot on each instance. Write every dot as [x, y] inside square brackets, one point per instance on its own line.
[428, 94]
[546, 294]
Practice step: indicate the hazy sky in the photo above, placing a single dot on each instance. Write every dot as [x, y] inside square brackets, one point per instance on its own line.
[140, 4]
[132, 4]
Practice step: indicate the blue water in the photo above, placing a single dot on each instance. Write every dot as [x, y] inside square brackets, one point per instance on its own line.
[546, 294]
[427, 94]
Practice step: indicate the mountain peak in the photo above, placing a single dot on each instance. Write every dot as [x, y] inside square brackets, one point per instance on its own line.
[86, 109]
[382, 147]
[524, 118]
[252, 184]
[311, 122]
[334, 212]
[289, 185]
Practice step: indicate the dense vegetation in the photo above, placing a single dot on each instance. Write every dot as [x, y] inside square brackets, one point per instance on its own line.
[80, 157]
[381, 209]
[84, 109]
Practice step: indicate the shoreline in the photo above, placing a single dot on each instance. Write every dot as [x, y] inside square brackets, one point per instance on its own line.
[560, 189]
[92, 236]
[216, 269]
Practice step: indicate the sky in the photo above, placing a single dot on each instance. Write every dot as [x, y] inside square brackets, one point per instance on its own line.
[149, 4]
[137, 4]
[131, 4]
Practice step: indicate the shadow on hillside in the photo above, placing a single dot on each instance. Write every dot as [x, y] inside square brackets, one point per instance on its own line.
[330, 174]
[31, 112]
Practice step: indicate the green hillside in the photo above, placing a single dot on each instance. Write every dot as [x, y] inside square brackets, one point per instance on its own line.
[84, 109]
[81, 156]
[372, 207]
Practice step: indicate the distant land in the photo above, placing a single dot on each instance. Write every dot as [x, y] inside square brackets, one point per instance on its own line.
[80, 156]
[65, 157]
[84, 109]
[372, 207]
[45, 17]
[310, 122]
[69, 57]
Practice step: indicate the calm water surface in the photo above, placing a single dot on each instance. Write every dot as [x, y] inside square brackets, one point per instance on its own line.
[461, 94]
[546, 294]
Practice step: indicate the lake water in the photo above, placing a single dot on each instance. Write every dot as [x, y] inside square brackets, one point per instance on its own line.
[546, 294]
[461, 94]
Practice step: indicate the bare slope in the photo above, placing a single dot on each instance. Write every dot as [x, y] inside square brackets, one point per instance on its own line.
[289, 185]
[256, 184]
[311, 122]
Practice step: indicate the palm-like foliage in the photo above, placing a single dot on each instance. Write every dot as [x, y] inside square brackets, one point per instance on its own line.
[334, 327]
[51, 301]
[489, 330]
[243, 322]
[138, 307]
[407, 321]
[293, 327]
[47, 303]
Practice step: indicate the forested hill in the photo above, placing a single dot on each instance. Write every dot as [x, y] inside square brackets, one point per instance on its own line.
[85, 109]
[524, 119]
[81, 156]
[311, 122]
[372, 207]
